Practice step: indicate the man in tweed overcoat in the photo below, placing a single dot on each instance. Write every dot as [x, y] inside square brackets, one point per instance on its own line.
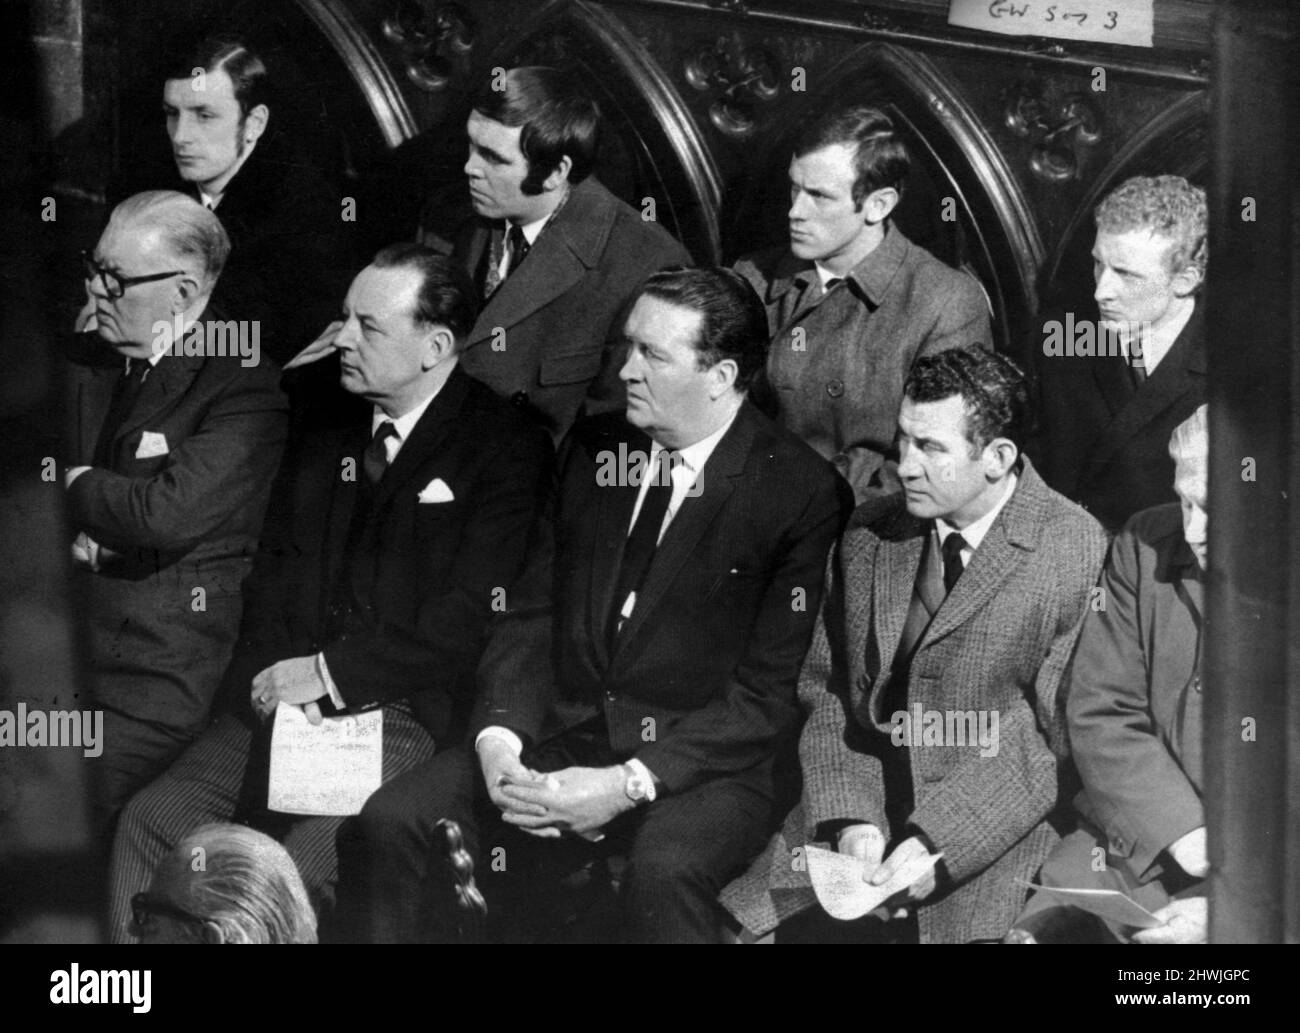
[933, 684]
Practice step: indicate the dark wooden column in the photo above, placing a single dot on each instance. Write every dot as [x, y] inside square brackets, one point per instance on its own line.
[1252, 696]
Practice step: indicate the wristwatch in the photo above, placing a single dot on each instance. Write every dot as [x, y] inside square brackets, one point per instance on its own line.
[639, 789]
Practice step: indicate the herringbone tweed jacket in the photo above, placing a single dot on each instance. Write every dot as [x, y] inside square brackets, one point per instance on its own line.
[1001, 641]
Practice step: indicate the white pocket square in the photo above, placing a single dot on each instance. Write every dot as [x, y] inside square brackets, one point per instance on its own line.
[436, 491]
[152, 444]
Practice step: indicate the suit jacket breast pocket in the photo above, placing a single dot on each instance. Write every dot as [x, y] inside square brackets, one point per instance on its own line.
[569, 368]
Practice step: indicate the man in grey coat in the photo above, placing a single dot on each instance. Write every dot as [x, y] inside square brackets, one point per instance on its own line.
[853, 303]
[1135, 726]
[932, 686]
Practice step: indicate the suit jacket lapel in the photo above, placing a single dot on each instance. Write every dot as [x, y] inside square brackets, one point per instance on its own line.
[893, 581]
[718, 481]
[428, 433]
[613, 519]
[1172, 379]
[94, 396]
[163, 386]
[567, 248]
[1016, 529]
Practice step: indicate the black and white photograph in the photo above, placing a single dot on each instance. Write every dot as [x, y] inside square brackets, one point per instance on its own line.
[637, 472]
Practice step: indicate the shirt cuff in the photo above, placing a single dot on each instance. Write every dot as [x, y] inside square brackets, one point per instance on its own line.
[646, 776]
[502, 733]
[323, 670]
[71, 475]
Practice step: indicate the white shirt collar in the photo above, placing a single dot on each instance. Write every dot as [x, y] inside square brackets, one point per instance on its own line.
[209, 200]
[403, 424]
[693, 457]
[825, 275]
[974, 533]
[532, 229]
[1156, 343]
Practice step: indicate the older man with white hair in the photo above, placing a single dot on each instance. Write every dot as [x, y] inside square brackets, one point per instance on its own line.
[225, 884]
[1134, 714]
[170, 453]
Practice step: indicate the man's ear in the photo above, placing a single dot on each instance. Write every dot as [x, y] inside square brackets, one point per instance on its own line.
[440, 343]
[255, 123]
[878, 204]
[722, 377]
[188, 288]
[559, 175]
[1000, 456]
[1185, 281]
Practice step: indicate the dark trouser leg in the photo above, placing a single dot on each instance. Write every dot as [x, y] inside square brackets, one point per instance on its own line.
[135, 753]
[202, 786]
[686, 849]
[386, 891]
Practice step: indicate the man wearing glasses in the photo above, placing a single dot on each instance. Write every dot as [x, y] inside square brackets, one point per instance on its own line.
[170, 453]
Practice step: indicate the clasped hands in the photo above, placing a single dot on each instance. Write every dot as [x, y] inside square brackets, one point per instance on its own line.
[577, 800]
[867, 844]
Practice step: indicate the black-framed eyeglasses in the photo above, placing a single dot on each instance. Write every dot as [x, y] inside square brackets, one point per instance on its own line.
[145, 906]
[115, 284]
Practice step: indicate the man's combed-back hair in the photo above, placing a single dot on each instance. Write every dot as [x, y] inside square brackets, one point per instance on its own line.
[247, 889]
[991, 386]
[880, 159]
[231, 55]
[733, 322]
[1166, 205]
[190, 230]
[446, 295]
[557, 117]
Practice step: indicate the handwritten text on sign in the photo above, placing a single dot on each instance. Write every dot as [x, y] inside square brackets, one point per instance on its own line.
[1088, 21]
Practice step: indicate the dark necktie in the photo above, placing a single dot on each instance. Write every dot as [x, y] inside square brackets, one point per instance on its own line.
[492, 261]
[126, 392]
[832, 283]
[518, 246]
[952, 568]
[375, 461]
[643, 540]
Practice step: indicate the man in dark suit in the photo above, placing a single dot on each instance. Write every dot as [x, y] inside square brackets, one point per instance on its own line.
[932, 685]
[1115, 382]
[291, 253]
[642, 683]
[852, 303]
[172, 447]
[556, 257]
[1134, 710]
[386, 548]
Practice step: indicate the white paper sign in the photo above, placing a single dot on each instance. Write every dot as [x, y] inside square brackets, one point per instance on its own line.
[1129, 22]
[329, 769]
[838, 882]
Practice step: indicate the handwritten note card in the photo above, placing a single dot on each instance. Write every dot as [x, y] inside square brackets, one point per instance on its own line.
[1129, 22]
[837, 881]
[325, 769]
